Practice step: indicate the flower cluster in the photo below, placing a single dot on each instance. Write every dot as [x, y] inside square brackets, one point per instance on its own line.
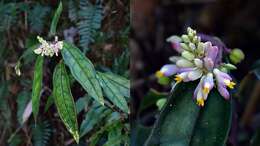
[198, 61]
[48, 49]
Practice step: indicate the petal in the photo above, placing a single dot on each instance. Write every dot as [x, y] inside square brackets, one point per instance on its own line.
[209, 79]
[194, 75]
[198, 87]
[223, 91]
[211, 51]
[221, 75]
[184, 63]
[169, 70]
[185, 69]
[208, 63]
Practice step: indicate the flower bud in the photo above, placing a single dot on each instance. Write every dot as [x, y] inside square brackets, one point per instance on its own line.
[163, 80]
[192, 46]
[229, 66]
[187, 55]
[236, 56]
[184, 63]
[160, 103]
[198, 63]
[185, 38]
[184, 46]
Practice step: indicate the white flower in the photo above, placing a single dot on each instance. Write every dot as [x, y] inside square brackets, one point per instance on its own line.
[48, 49]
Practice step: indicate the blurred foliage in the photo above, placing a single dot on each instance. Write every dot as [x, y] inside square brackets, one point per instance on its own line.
[97, 31]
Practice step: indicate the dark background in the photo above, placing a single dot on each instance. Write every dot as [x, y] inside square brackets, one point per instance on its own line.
[235, 22]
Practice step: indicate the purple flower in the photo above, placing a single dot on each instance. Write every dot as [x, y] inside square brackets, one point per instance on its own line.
[223, 81]
[167, 70]
[202, 90]
[175, 42]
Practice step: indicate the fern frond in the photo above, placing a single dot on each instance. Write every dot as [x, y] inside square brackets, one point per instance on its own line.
[73, 15]
[90, 17]
[36, 17]
[41, 133]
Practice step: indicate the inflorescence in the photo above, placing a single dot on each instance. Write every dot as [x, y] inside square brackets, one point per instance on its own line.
[198, 61]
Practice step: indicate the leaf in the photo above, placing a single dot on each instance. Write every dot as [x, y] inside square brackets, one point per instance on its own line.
[115, 135]
[55, 19]
[27, 112]
[82, 70]
[120, 82]
[49, 102]
[37, 85]
[41, 134]
[90, 17]
[95, 115]
[113, 93]
[64, 100]
[22, 101]
[82, 103]
[36, 17]
[182, 122]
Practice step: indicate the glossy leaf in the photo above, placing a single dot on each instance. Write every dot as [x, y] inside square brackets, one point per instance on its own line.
[55, 20]
[64, 100]
[112, 92]
[182, 122]
[121, 83]
[83, 71]
[37, 85]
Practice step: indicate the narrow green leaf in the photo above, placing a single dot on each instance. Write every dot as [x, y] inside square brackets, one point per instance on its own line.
[120, 82]
[82, 70]
[49, 102]
[112, 92]
[182, 122]
[55, 20]
[64, 100]
[37, 85]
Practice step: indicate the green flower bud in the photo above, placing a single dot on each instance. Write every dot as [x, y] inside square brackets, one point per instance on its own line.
[192, 46]
[184, 46]
[198, 63]
[163, 80]
[184, 63]
[185, 38]
[223, 69]
[229, 66]
[236, 56]
[187, 55]
[160, 103]
[200, 48]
